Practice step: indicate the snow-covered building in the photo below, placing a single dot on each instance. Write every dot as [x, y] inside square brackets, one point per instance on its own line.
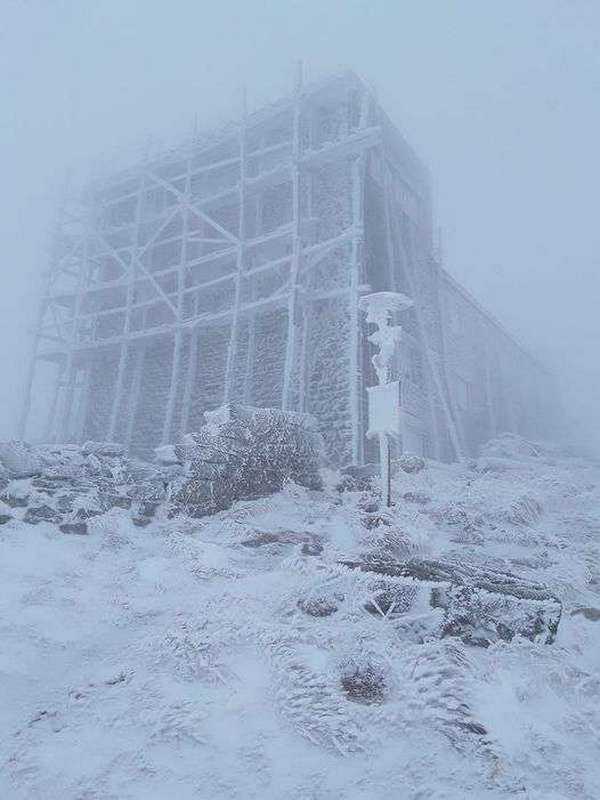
[230, 269]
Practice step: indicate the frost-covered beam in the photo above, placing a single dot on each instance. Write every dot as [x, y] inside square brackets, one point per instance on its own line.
[50, 429]
[235, 322]
[358, 169]
[178, 334]
[184, 201]
[190, 382]
[132, 278]
[63, 431]
[344, 147]
[286, 400]
[124, 340]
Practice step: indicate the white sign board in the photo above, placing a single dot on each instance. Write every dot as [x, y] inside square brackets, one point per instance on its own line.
[384, 409]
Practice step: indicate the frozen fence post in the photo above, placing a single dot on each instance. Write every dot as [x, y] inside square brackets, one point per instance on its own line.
[384, 399]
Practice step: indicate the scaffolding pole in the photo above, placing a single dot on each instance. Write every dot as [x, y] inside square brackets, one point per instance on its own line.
[120, 380]
[178, 333]
[64, 431]
[358, 171]
[239, 276]
[287, 399]
[136, 384]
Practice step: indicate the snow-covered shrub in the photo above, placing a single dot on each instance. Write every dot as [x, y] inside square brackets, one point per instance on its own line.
[244, 453]
[319, 606]
[359, 479]
[393, 544]
[410, 463]
[525, 510]
[391, 600]
[363, 681]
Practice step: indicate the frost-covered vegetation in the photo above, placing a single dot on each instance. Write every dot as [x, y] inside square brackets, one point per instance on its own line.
[309, 643]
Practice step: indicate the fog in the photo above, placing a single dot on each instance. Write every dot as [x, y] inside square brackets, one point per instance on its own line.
[500, 100]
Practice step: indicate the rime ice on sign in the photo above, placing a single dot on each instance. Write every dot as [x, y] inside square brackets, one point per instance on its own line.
[384, 409]
[379, 308]
[384, 400]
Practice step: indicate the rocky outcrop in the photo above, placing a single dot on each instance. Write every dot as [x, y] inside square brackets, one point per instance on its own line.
[480, 605]
[244, 453]
[18, 460]
[240, 453]
[68, 484]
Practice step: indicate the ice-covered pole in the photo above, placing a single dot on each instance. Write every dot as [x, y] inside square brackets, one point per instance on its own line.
[379, 308]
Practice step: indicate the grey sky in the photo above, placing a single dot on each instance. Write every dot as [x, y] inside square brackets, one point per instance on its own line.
[500, 99]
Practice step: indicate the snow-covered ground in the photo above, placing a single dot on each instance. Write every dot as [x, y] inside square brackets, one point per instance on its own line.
[215, 658]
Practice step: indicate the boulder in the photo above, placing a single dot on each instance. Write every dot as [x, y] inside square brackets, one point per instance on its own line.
[148, 508]
[103, 449]
[245, 453]
[312, 548]
[43, 513]
[61, 462]
[76, 528]
[109, 500]
[480, 604]
[4, 477]
[479, 617]
[15, 500]
[141, 522]
[593, 614]
[85, 513]
[19, 460]
[318, 606]
[168, 455]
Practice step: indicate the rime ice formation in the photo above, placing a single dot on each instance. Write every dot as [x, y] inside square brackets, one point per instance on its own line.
[231, 268]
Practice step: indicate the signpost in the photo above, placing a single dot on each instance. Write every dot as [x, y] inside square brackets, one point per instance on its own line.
[385, 413]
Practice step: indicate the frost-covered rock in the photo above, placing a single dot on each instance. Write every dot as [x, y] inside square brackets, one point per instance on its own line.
[110, 449]
[167, 455]
[76, 528]
[245, 452]
[41, 513]
[19, 459]
[4, 477]
[479, 617]
[61, 461]
[481, 604]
